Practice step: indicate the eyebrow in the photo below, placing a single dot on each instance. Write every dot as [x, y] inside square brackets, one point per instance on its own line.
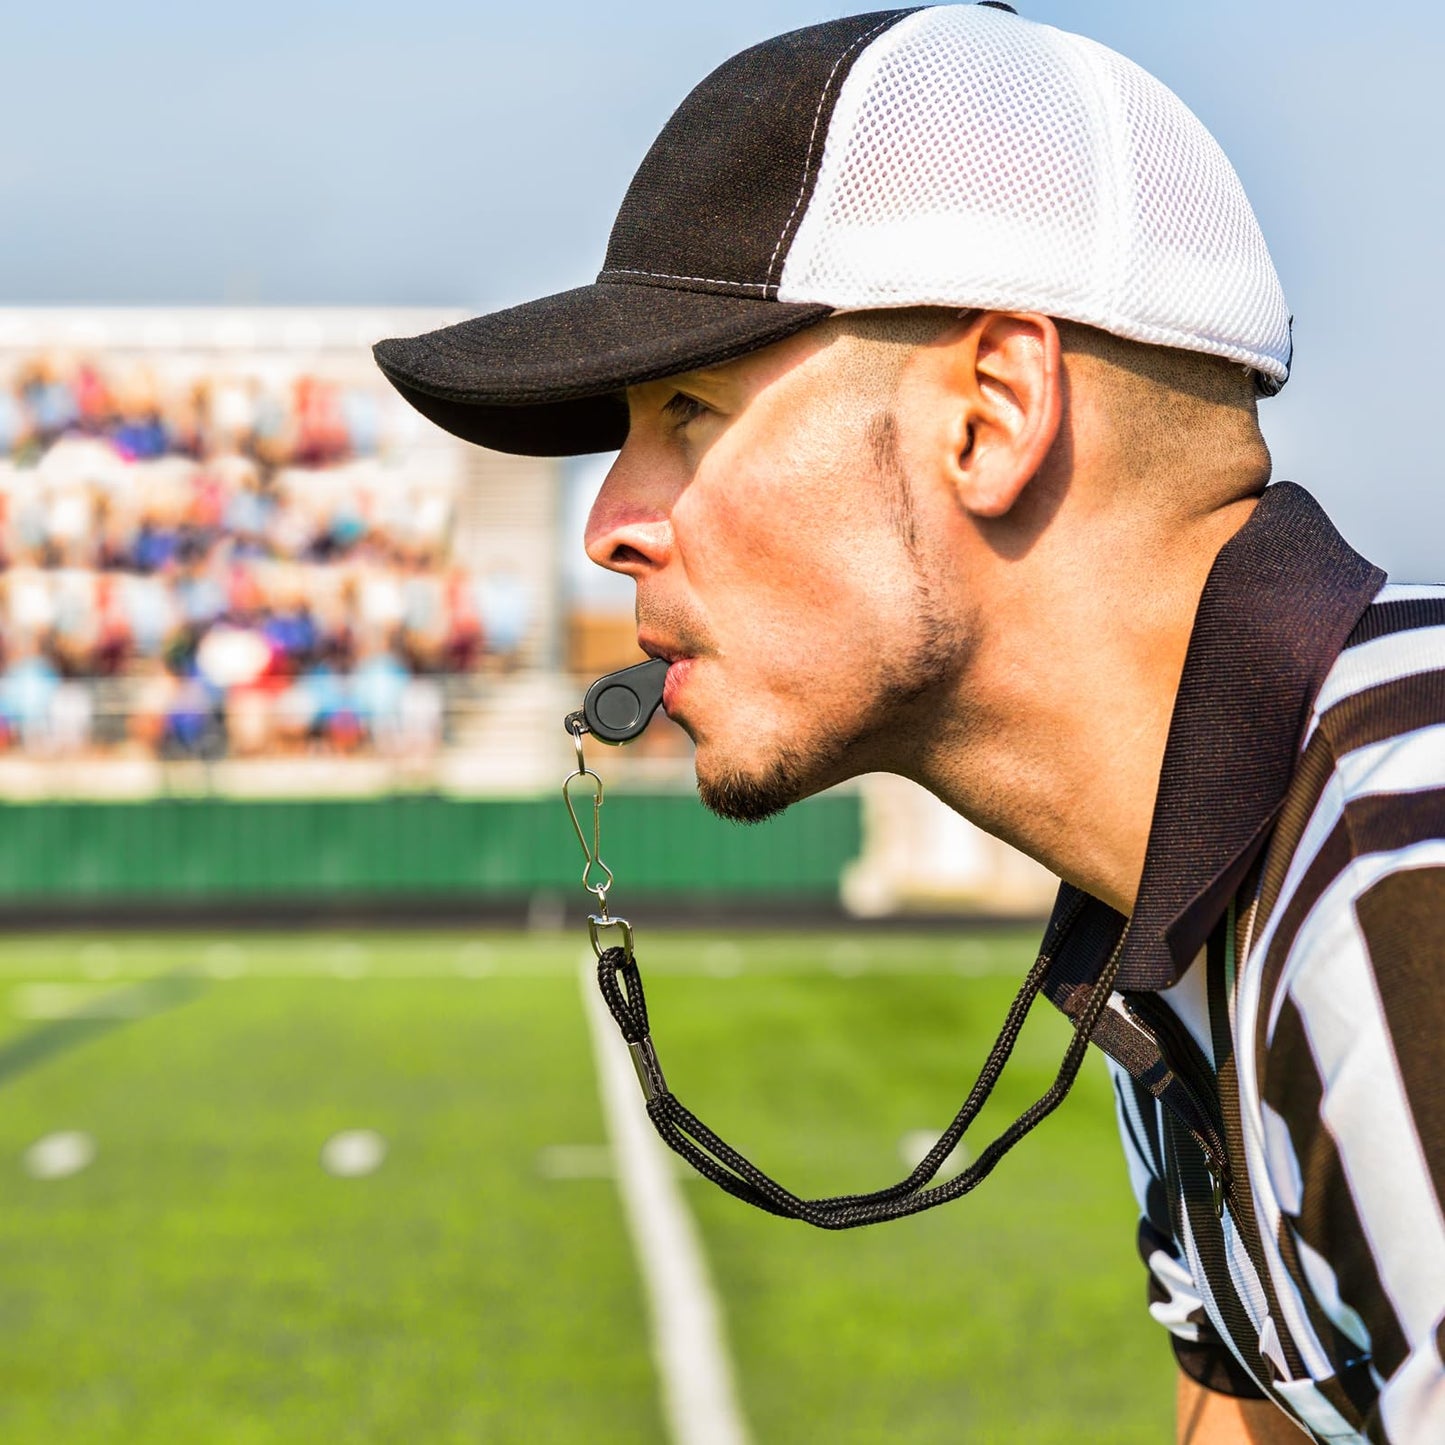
[706, 383]
[705, 377]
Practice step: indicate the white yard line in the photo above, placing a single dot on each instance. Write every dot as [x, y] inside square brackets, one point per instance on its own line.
[480, 961]
[698, 1397]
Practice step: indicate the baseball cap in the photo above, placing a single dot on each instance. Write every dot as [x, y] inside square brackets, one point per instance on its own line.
[953, 156]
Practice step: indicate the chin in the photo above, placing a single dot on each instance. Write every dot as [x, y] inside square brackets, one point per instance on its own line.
[751, 795]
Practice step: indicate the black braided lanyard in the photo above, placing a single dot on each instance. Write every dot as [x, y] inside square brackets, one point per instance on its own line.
[682, 1131]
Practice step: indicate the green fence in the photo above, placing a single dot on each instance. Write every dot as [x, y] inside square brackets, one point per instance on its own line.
[195, 851]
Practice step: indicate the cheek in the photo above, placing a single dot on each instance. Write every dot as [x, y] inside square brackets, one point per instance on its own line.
[761, 525]
[771, 572]
[813, 593]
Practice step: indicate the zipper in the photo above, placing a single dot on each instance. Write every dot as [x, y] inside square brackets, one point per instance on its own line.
[1185, 1060]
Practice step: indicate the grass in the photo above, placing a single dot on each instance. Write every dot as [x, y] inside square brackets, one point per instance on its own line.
[204, 1279]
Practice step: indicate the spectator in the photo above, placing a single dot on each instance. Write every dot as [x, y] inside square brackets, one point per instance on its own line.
[147, 521]
[27, 691]
[506, 612]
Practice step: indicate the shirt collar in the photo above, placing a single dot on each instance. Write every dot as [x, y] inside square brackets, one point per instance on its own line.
[1281, 599]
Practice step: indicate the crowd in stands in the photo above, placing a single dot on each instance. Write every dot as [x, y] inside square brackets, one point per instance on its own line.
[226, 566]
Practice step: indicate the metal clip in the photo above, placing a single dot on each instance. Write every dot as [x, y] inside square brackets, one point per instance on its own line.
[590, 851]
[596, 923]
[644, 1056]
[576, 725]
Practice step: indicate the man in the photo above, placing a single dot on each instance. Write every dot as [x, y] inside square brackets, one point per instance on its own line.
[931, 341]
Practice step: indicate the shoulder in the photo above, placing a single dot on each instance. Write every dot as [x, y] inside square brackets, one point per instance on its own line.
[1349, 942]
[1340, 989]
[1386, 685]
[1370, 783]
[1343, 978]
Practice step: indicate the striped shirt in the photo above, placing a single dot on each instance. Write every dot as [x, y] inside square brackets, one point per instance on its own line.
[1275, 1034]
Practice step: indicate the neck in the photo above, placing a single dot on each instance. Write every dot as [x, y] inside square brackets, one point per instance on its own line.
[1055, 739]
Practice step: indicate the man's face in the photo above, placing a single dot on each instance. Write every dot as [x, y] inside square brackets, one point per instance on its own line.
[787, 566]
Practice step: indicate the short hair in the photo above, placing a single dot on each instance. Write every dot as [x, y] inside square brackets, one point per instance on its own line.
[1165, 407]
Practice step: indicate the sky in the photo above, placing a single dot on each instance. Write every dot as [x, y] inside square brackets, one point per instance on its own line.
[473, 155]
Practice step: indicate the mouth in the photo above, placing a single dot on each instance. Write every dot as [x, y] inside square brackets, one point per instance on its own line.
[680, 665]
[677, 675]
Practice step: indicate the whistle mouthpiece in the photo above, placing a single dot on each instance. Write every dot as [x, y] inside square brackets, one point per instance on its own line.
[619, 706]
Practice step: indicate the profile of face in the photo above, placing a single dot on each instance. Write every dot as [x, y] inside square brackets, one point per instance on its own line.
[791, 567]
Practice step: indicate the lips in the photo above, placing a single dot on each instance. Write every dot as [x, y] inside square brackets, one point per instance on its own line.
[681, 659]
[677, 676]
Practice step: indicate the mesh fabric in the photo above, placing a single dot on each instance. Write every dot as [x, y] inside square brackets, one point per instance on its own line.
[977, 159]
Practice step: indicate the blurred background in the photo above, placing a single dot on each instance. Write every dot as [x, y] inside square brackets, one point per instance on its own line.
[306, 1133]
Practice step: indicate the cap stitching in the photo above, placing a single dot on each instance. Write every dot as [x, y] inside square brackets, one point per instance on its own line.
[673, 276]
[813, 136]
[1110, 256]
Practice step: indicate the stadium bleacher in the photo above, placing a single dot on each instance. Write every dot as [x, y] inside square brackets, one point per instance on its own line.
[228, 558]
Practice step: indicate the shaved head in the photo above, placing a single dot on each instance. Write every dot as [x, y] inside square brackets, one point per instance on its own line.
[1182, 425]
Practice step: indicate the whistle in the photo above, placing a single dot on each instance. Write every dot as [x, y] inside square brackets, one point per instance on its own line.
[619, 706]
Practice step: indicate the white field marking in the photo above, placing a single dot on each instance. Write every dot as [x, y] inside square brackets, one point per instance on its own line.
[575, 1161]
[698, 1397]
[224, 960]
[594, 1161]
[722, 960]
[975, 959]
[99, 960]
[59, 1155]
[476, 959]
[913, 1147]
[348, 960]
[79, 1000]
[353, 1153]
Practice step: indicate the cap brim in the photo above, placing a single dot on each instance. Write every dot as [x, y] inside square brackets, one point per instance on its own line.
[547, 379]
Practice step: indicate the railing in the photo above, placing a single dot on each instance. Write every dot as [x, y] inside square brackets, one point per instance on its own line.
[475, 734]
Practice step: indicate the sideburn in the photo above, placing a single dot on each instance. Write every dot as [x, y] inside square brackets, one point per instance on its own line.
[882, 435]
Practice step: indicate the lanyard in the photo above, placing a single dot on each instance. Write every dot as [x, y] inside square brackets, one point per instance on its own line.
[616, 709]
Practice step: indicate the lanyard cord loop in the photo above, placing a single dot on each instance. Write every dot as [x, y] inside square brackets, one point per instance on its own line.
[621, 984]
[620, 981]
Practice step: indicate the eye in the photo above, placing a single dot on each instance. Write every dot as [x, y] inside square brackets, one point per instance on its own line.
[684, 409]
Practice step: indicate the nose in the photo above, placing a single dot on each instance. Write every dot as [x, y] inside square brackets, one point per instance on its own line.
[629, 529]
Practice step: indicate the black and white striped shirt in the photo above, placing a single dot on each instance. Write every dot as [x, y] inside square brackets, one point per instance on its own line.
[1276, 1034]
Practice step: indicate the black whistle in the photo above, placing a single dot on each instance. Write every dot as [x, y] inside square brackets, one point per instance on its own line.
[617, 707]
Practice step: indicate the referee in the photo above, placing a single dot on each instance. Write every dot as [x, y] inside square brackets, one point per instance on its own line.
[931, 342]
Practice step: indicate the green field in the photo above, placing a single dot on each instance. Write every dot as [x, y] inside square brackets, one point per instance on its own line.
[205, 1279]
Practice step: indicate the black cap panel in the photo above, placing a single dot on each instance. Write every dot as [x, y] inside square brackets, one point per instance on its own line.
[691, 271]
[716, 200]
[544, 379]
[545, 429]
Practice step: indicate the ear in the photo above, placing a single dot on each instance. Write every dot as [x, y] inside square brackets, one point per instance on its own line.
[1004, 382]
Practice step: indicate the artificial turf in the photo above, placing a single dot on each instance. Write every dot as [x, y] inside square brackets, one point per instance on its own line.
[205, 1279]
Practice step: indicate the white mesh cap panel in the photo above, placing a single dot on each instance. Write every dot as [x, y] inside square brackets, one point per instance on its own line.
[1198, 263]
[975, 158]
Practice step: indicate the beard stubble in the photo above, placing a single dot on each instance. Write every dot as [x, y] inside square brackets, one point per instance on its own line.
[933, 654]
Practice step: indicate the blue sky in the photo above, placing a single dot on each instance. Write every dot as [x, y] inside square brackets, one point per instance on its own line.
[473, 155]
